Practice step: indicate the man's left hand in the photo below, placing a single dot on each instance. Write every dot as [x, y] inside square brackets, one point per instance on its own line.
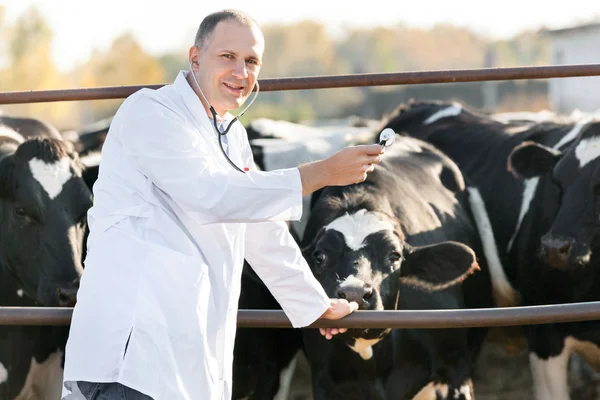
[338, 308]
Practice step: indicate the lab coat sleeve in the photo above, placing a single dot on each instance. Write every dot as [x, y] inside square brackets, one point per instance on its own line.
[272, 252]
[176, 158]
[274, 255]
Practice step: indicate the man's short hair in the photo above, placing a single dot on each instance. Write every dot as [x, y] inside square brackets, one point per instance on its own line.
[209, 23]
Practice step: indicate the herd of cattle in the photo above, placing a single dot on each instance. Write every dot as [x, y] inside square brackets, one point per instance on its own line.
[467, 210]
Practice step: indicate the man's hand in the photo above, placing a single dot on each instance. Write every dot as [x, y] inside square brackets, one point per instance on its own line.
[338, 308]
[352, 164]
[347, 166]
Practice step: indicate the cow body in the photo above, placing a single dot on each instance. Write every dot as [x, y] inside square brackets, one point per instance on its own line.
[264, 359]
[539, 181]
[43, 205]
[403, 239]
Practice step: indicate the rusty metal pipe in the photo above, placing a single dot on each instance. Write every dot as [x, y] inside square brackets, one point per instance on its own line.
[482, 317]
[332, 81]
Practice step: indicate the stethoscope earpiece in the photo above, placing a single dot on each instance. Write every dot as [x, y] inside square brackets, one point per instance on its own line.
[387, 137]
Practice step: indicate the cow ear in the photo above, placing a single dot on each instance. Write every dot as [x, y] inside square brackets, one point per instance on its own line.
[308, 248]
[530, 159]
[438, 266]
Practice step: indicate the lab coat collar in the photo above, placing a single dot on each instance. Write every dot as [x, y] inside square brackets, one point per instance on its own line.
[193, 103]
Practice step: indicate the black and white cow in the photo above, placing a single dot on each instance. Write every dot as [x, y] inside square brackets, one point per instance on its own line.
[264, 359]
[540, 183]
[43, 205]
[404, 239]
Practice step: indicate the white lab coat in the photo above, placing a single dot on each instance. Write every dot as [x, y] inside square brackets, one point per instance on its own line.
[171, 224]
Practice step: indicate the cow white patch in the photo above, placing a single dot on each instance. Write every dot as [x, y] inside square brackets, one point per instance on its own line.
[451, 111]
[465, 391]
[504, 294]
[358, 226]
[430, 392]
[587, 151]
[20, 292]
[364, 347]
[351, 280]
[44, 380]
[3, 374]
[573, 132]
[517, 129]
[11, 133]
[550, 376]
[91, 160]
[528, 192]
[53, 176]
[539, 116]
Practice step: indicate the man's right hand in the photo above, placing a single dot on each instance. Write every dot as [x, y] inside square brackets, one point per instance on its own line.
[347, 166]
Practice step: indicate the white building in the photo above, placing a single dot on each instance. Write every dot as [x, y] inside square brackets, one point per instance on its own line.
[575, 45]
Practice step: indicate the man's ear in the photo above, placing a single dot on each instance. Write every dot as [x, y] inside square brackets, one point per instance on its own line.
[193, 55]
[438, 266]
[530, 159]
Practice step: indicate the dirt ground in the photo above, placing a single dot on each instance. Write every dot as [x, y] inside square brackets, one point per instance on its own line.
[500, 375]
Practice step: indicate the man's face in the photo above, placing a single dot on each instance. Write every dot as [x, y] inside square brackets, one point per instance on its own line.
[228, 64]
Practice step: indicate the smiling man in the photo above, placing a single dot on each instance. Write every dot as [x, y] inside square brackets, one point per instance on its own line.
[177, 209]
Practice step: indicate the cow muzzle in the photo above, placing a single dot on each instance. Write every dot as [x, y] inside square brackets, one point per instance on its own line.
[556, 251]
[362, 293]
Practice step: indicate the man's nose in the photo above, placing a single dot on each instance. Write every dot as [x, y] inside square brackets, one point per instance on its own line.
[240, 70]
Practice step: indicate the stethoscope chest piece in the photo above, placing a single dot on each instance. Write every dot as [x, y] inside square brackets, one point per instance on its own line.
[387, 137]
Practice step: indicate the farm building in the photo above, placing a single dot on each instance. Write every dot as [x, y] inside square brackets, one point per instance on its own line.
[575, 45]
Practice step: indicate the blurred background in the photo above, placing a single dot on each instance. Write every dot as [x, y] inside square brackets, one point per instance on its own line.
[59, 44]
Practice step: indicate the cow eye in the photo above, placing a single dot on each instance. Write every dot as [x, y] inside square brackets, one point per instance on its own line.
[20, 212]
[319, 256]
[395, 257]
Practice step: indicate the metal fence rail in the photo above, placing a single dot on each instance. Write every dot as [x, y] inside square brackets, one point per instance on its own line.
[481, 317]
[514, 316]
[328, 82]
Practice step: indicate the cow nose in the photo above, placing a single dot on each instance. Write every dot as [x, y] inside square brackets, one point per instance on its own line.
[556, 251]
[361, 294]
[67, 296]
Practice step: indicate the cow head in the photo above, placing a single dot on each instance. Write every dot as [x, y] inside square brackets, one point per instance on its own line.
[575, 172]
[43, 206]
[360, 254]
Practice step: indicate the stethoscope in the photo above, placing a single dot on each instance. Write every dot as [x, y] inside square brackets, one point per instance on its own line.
[386, 137]
[214, 115]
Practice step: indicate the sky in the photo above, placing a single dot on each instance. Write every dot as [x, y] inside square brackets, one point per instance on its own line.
[82, 25]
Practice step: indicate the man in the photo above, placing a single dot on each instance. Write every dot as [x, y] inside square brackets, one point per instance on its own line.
[172, 222]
